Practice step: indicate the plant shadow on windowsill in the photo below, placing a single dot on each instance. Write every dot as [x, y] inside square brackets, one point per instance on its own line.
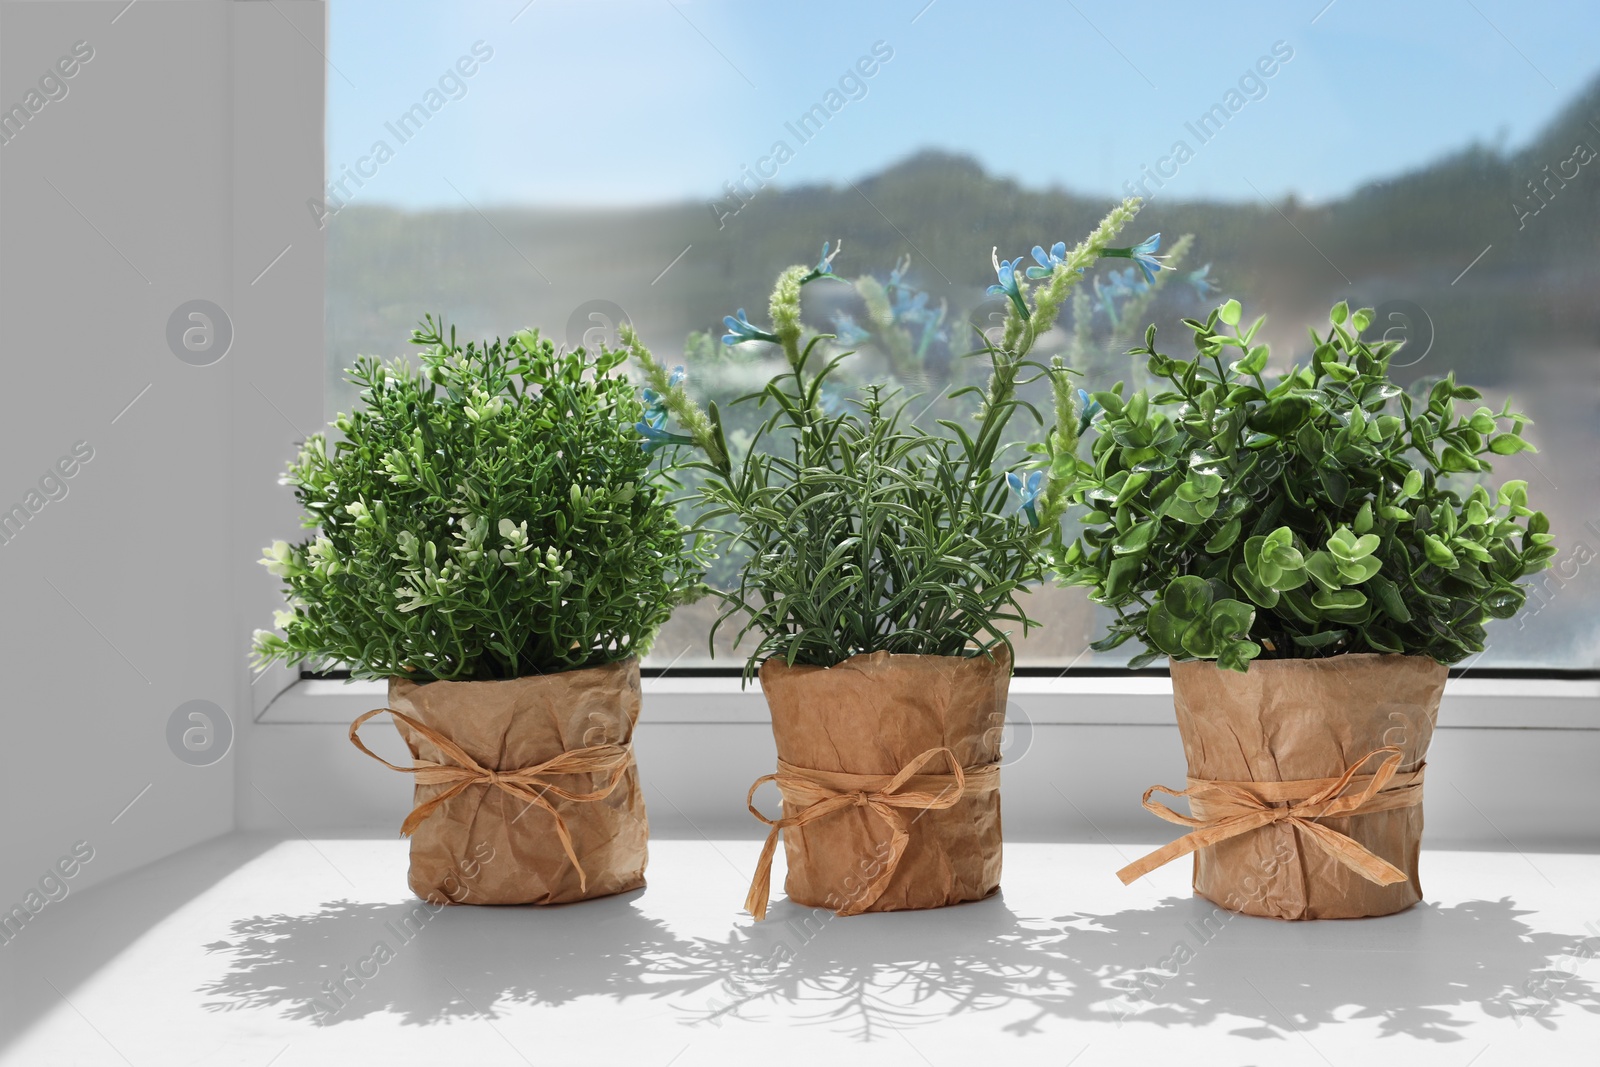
[1426, 973]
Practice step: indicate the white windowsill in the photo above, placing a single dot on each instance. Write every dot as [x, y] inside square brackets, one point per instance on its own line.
[1476, 703]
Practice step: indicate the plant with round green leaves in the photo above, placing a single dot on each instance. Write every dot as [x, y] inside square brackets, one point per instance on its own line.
[487, 515]
[862, 530]
[1328, 512]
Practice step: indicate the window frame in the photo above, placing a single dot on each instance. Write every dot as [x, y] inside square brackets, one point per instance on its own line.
[1499, 697]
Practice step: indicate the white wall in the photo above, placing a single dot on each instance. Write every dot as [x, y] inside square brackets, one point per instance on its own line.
[134, 593]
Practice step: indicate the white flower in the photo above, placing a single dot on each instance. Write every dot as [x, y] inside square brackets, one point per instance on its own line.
[278, 558]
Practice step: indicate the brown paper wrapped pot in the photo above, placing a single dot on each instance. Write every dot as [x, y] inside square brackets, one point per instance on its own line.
[873, 715]
[488, 845]
[1303, 719]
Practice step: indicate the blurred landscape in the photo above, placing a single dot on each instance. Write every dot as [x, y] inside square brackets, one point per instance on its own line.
[1486, 261]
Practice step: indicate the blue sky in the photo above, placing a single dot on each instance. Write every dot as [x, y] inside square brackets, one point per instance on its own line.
[621, 102]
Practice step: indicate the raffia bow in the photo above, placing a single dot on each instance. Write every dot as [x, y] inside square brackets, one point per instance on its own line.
[461, 772]
[1224, 810]
[818, 794]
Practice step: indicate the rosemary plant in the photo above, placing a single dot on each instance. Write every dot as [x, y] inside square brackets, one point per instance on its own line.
[863, 530]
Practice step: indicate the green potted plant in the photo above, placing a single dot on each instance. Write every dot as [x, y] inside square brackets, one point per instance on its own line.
[492, 540]
[883, 565]
[1310, 554]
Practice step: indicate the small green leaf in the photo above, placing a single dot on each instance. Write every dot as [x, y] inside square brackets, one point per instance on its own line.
[1290, 579]
[1505, 603]
[1356, 571]
[1137, 539]
[1164, 631]
[1286, 557]
[1198, 640]
[1265, 596]
[1231, 619]
[1254, 362]
[1229, 312]
[1281, 417]
[1454, 461]
[1121, 574]
[1321, 567]
[1130, 488]
[1388, 597]
[1187, 597]
[1325, 639]
[1224, 538]
[1509, 444]
[1236, 655]
[1338, 598]
[1438, 553]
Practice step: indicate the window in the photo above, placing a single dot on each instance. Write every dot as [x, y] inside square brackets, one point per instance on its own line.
[573, 165]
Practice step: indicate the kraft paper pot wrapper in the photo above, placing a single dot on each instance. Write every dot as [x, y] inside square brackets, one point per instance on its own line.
[1311, 720]
[844, 732]
[559, 747]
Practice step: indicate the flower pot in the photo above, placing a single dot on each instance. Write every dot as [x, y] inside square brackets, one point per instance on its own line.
[1305, 783]
[889, 770]
[526, 789]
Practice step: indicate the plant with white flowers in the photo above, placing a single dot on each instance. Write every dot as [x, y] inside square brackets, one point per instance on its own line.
[486, 515]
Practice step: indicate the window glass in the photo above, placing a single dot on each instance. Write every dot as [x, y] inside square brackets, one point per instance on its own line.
[576, 165]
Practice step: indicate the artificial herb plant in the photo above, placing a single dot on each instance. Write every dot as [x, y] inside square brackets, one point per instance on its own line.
[1328, 512]
[487, 515]
[862, 530]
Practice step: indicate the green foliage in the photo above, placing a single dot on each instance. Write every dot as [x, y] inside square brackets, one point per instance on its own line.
[490, 515]
[862, 530]
[867, 533]
[1230, 519]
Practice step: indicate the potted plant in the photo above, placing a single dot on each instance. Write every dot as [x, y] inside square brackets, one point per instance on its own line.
[884, 563]
[1310, 554]
[493, 542]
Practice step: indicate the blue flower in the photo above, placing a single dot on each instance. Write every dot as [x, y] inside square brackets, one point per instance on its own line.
[845, 330]
[655, 437]
[1123, 282]
[1143, 255]
[1201, 282]
[1027, 491]
[898, 275]
[1087, 410]
[909, 305]
[655, 405]
[655, 409]
[1007, 286]
[825, 264]
[933, 328]
[1146, 260]
[740, 330]
[1117, 285]
[1048, 263]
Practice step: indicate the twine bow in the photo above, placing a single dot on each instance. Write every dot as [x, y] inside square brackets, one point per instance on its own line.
[461, 772]
[819, 794]
[1224, 810]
